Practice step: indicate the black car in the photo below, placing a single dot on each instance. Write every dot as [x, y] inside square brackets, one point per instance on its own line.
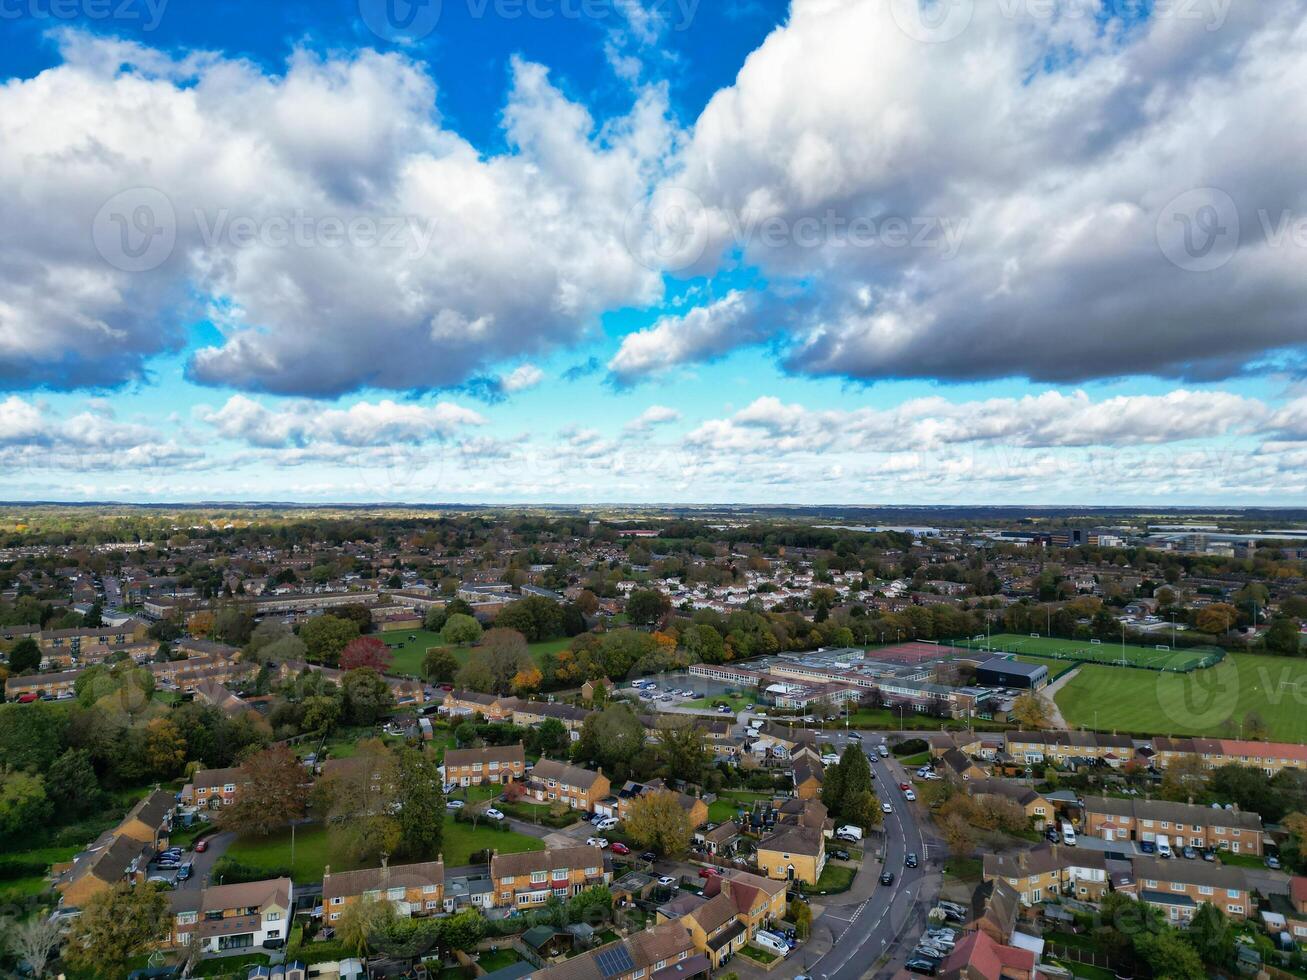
[922, 965]
[910, 861]
[648, 856]
[840, 855]
[887, 878]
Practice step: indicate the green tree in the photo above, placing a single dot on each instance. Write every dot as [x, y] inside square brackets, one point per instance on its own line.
[684, 751]
[31, 735]
[610, 738]
[71, 784]
[645, 607]
[463, 931]
[1282, 638]
[440, 664]
[1170, 957]
[592, 906]
[460, 631]
[535, 617]
[421, 812]
[321, 713]
[549, 738]
[367, 696]
[23, 803]
[116, 926]
[363, 922]
[25, 656]
[1211, 934]
[862, 809]
[326, 636]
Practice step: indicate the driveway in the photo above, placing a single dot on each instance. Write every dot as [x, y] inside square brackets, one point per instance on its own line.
[202, 864]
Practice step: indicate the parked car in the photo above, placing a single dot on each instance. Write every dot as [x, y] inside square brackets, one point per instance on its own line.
[648, 856]
[1188, 852]
[1273, 862]
[600, 842]
[667, 881]
[494, 814]
[1147, 847]
[607, 823]
[922, 965]
[620, 848]
[455, 805]
[184, 872]
[1209, 854]
[887, 878]
[707, 873]
[855, 736]
[772, 944]
[840, 855]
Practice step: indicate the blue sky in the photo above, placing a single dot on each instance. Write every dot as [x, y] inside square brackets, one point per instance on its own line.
[845, 251]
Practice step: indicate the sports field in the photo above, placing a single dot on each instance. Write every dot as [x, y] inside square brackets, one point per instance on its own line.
[1211, 702]
[409, 653]
[1085, 651]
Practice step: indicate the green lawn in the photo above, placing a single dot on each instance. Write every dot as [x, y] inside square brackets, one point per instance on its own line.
[230, 966]
[738, 702]
[1209, 702]
[1242, 860]
[490, 962]
[729, 802]
[759, 954]
[836, 878]
[409, 654]
[313, 851]
[1106, 652]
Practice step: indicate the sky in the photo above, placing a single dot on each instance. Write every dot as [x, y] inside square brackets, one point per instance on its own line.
[654, 251]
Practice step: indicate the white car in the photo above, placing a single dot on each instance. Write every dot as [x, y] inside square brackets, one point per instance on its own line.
[599, 842]
[607, 823]
[909, 795]
[886, 808]
[455, 805]
[494, 814]
[666, 881]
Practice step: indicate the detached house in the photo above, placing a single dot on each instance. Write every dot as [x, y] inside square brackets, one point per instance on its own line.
[793, 853]
[222, 918]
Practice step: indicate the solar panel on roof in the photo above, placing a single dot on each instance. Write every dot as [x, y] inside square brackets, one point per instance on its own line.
[614, 962]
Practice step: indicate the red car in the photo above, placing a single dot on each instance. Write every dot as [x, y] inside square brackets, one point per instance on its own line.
[905, 786]
[620, 848]
[709, 873]
[26, 698]
[201, 846]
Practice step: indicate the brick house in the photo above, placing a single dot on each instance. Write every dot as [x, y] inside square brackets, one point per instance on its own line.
[413, 889]
[662, 952]
[1034, 748]
[619, 805]
[1179, 888]
[529, 879]
[580, 789]
[1037, 808]
[1050, 871]
[222, 918]
[1236, 831]
[469, 703]
[793, 853]
[1269, 757]
[213, 788]
[493, 764]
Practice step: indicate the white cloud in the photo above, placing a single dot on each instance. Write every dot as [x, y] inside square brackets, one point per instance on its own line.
[34, 437]
[698, 335]
[523, 378]
[363, 424]
[1057, 145]
[336, 232]
[653, 416]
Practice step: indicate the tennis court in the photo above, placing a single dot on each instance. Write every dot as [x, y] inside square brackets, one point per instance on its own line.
[1159, 657]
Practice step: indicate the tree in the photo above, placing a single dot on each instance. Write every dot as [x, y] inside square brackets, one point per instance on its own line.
[365, 651]
[1211, 934]
[23, 803]
[1170, 957]
[434, 619]
[359, 802]
[35, 941]
[657, 821]
[264, 635]
[684, 751]
[862, 809]
[115, 926]
[1032, 712]
[593, 906]
[200, 624]
[847, 782]
[71, 784]
[1218, 618]
[549, 738]
[1282, 638]
[273, 792]
[1184, 777]
[421, 804]
[460, 631]
[610, 738]
[164, 748]
[464, 930]
[321, 713]
[645, 607]
[535, 617]
[326, 636]
[527, 681]
[363, 921]
[288, 648]
[367, 696]
[800, 914]
[958, 835]
[504, 654]
[440, 664]
[24, 656]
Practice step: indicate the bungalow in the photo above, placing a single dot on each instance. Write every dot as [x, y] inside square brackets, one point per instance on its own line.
[579, 788]
[493, 764]
[413, 889]
[223, 918]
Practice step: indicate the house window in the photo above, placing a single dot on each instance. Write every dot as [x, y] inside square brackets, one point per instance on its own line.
[395, 894]
[1177, 886]
[1205, 890]
[429, 889]
[1232, 893]
[538, 877]
[273, 917]
[337, 900]
[335, 916]
[1234, 909]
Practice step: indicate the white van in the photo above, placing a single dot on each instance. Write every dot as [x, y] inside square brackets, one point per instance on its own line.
[882, 751]
[1164, 846]
[849, 832]
[1068, 834]
[773, 945]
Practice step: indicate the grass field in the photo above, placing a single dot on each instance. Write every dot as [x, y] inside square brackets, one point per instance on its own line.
[1209, 702]
[1056, 668]
[736, 701]
[1086, 652]
[409, 653]
[313, 850]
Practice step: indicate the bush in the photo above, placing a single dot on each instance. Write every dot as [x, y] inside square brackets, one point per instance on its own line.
[11, 870]
[233, 872]
[911, 746]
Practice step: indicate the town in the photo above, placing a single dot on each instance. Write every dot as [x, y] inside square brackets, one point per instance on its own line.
[524, 745]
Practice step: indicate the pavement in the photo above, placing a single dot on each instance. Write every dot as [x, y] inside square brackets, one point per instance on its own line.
[1050, 695]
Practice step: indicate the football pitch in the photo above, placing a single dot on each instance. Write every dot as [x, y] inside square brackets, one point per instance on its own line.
[1086, 651]
[1211, 703]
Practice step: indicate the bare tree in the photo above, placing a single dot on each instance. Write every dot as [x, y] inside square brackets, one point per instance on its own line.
[36, 941]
